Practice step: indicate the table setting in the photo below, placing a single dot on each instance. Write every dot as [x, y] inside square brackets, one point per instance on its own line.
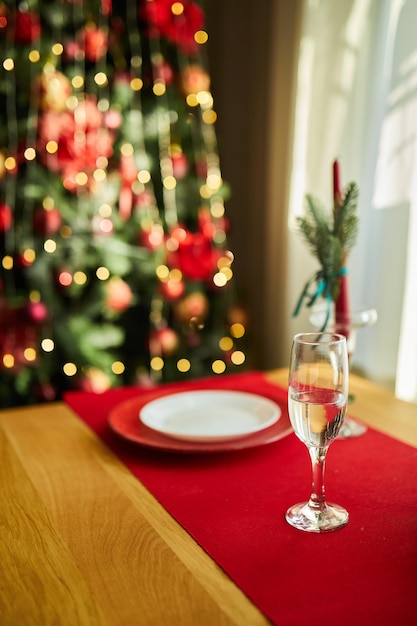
[233, 502]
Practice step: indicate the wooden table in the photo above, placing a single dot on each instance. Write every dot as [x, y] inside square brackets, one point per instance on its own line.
[61, 487]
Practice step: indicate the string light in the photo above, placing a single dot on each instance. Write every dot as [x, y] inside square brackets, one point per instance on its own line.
[8, 65]
[34, 56]
[214, 181]
[29, 354]
[49, 246]
[226, 344]
[224, 262]
[177, 8]
[80, 278]
[237, 357]
[183, 365]
[30, 154]
[57, 49]
[218, 366]
[70, 369]
[47, 345]
[209, 117]
[51, 147]
[219, 279]
[204, 98]
[136, 84]
[29, 256]
[100, 79]
[99, 175]
[7, 262]
[159, 87]
[205, 192]
[8, 361]
[191, 100]
[102, 273]
[201, 37]
[157, 363]
[237, 330]
[162, 272]
[81, 179]
[118, 367]
[77, 82]
[144, 176]
[169, 182]
[10, 164]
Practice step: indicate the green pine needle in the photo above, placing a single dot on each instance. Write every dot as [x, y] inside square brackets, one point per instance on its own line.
[331, 236]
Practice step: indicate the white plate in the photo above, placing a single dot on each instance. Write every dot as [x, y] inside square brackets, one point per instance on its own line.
[210, 415]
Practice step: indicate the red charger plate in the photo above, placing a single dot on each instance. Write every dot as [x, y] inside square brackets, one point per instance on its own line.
[124, 421]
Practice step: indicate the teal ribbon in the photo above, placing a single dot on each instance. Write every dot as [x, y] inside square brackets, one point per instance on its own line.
[323, 283]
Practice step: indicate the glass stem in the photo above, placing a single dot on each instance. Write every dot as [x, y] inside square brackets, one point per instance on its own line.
[318, 458]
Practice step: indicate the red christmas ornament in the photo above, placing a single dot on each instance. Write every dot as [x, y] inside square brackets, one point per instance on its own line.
[6, 217]
[102, 225]
[178, 27]
[179, 165]
[152, 238]
[163, 71]
[118, 295]
[163, 342]
[194, 255]
[36, 312]
[46, 222]
[74, 156]
[172, 289]
[144, 200]
[194, 79]
[193, 307]
[94, 42]
[26, 26]
[113, 119]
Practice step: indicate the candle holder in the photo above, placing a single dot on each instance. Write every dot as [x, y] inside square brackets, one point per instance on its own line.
[348, 326]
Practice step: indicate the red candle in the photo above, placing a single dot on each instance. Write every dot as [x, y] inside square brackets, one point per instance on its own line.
[337, 188]
[342, 304]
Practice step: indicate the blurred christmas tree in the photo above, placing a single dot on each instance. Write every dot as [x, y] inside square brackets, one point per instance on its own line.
[114, 260]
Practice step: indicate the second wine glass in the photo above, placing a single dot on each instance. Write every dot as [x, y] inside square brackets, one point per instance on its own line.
[317, 398]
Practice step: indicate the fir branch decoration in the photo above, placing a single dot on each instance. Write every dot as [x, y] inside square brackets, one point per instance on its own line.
[330, 238]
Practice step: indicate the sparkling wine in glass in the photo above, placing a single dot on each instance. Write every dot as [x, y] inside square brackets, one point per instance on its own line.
[317, 398]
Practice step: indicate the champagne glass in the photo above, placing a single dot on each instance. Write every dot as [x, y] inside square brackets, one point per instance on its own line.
[317, 398]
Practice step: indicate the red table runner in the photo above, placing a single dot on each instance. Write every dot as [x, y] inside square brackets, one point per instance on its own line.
[234, 503]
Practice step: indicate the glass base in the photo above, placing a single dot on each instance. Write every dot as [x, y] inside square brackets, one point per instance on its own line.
[351, 428]
[317, 519]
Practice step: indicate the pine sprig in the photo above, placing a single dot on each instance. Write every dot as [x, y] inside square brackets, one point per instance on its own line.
[345, 220]
[331, 236]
